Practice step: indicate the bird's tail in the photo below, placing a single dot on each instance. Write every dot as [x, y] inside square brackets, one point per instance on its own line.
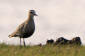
[10, 36]
[13, 35]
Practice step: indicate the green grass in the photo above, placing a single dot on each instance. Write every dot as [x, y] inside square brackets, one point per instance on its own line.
[47, 50]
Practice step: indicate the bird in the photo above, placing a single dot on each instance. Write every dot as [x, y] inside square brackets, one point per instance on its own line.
[26, 29]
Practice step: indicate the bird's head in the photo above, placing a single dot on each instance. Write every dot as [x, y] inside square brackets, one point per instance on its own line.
[33, 13]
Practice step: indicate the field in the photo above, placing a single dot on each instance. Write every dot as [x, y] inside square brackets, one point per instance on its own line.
[46, 50]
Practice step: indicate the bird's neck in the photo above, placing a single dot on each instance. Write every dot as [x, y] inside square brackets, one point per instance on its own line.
[30, 17]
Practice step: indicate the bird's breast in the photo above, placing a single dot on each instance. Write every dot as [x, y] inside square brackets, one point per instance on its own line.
[29, 29]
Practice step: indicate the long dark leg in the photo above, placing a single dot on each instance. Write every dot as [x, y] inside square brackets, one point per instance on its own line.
[20, 41]
[24, 42]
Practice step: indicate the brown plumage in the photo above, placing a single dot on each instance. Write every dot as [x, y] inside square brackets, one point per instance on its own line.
[26, 29]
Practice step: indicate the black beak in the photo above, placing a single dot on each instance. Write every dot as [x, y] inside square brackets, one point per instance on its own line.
[35, 14]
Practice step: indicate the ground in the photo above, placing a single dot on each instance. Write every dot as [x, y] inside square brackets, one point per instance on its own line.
[46, 50]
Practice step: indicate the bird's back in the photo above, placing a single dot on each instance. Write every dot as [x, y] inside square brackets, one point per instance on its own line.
[24, 30]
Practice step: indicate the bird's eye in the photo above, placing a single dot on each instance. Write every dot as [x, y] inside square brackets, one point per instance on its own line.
[31, 12]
